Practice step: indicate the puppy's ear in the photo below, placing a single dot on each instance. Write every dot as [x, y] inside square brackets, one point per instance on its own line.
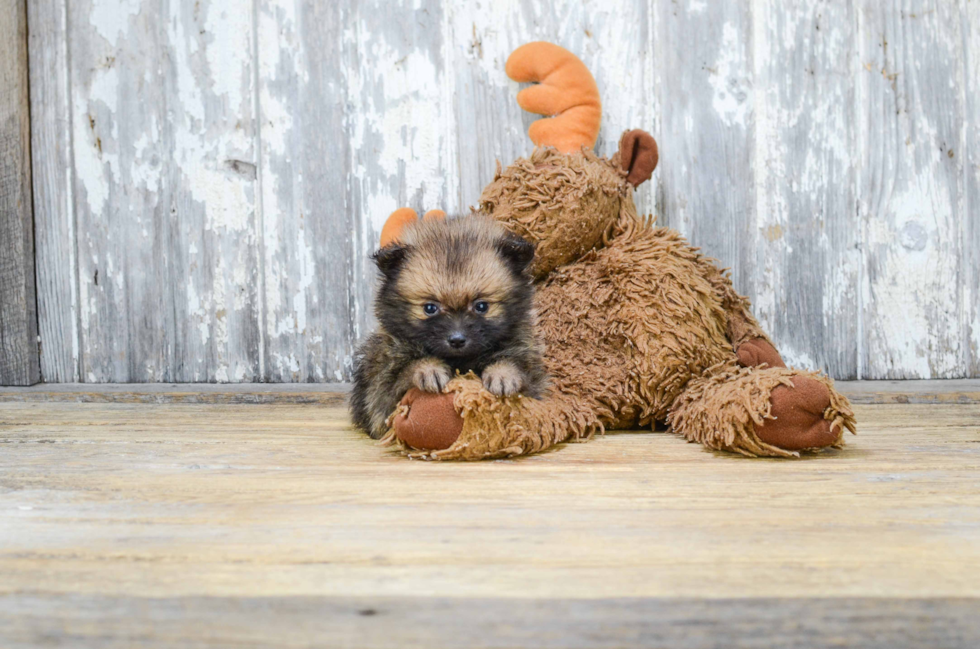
[517, 251]
[390, 258]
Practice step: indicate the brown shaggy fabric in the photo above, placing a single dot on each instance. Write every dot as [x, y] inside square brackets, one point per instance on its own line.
[534, 197]
[639, 328]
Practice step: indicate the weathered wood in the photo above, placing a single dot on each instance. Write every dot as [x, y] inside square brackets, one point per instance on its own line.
[970, 159]
[864, 392]
[912, 391]
[212, 239]
[19, 363]
[911, 188]
[326, 394]
[307, 228]
[165, 159]
[106, 622]
[806, 231]
[135, 521]
[52, 173]
[707, 153]
[228, 174]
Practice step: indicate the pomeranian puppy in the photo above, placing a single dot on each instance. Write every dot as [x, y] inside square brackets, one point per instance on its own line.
[456, 296]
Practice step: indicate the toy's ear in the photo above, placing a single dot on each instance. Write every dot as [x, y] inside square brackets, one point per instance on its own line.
[517, 251]
[389, 259]
[638, 156]
[402, 217]
[396, 222]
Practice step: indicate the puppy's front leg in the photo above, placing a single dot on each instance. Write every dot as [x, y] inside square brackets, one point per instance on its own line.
[503, 378]
[430, 374]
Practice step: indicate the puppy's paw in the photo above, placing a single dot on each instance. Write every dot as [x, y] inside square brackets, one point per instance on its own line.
[503, 379]
[431, 375]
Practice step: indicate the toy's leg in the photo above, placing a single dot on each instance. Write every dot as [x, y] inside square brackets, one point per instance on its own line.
[758, 351]
[488, 426]
[426, 421]
[762, 411]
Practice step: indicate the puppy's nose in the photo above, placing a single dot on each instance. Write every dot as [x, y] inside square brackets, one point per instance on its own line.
[456, 340]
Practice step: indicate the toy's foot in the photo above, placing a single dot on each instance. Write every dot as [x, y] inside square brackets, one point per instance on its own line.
[431, 422]
[758, 351]
[799, 416]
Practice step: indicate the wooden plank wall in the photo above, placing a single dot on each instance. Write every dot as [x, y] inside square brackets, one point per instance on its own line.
[211, 176]
[18, 318]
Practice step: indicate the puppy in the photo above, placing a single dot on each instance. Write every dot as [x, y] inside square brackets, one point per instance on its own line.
[455, 296]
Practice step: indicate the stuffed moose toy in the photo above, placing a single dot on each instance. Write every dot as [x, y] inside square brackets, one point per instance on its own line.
[639, 328]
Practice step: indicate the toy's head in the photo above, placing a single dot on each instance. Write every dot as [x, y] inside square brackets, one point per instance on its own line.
[563, 198]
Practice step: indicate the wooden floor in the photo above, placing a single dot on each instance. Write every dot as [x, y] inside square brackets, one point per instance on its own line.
[185, 525]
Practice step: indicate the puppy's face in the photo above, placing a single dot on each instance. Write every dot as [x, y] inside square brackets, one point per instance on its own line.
[456, 288]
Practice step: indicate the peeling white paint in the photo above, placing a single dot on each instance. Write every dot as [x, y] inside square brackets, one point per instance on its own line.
[918, 295]
[797, 358]
[96, 161]
[230, 31]
[732, 92]
[110, 18]
[770, 218]
[412, 121]
[306, 267]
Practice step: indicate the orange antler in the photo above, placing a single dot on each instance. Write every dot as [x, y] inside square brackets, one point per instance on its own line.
[402, 217]
[566, 89]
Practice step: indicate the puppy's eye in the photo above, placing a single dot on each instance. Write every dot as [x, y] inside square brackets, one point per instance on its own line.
[481, 306]
[430, 308]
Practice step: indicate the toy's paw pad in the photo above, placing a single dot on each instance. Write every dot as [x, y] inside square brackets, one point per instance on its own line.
[431, 375]
[503, 379]
[799, 417]
[429, 421]
[758, 351]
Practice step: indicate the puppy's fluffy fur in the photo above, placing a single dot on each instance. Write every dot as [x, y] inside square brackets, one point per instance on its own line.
[455, 296]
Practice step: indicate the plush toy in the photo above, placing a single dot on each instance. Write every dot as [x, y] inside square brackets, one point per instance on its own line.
[639, 327]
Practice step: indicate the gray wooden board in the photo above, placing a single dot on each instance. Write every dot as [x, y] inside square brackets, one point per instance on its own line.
[970, 154]
[327, 394]
[18, 315]
[864, 392]
[707, 100]
[164, 194]
[306, 236]
[226, 167]
[806, 205]
[477, 623]
[280, 525]
[51, 166]
[910, 188]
